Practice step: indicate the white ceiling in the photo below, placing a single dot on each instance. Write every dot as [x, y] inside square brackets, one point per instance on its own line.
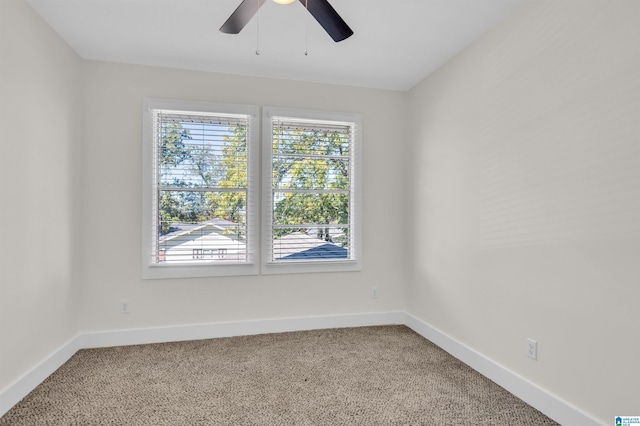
[396, 43]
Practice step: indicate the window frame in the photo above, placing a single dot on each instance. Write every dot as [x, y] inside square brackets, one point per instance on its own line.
[355, 202]
[152, 270]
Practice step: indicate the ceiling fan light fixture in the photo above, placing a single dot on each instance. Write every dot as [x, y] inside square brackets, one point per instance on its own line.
[321, 10]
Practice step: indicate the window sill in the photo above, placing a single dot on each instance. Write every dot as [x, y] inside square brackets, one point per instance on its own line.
[304, 267]
[164, 271]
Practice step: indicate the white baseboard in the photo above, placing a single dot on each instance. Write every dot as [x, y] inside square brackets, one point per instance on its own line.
[30, 380]
[549, 404]
[545, 402]
[11, 395]
[234, 328]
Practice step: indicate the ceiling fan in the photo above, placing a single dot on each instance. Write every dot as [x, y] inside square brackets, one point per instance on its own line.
[324, 13]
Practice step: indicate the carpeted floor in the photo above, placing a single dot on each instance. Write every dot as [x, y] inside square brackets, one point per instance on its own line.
[370, 376]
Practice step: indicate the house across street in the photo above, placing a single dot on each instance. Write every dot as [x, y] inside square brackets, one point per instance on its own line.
[217, 240]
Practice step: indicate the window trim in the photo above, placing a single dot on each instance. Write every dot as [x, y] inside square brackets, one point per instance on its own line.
[354, 264]
[162, 270]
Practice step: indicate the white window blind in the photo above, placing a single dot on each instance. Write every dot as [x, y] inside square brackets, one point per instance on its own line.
[201, 190]
[312, 201]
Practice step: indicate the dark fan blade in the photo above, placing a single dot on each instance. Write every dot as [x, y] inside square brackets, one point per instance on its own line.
[328, 18]
[241, 16]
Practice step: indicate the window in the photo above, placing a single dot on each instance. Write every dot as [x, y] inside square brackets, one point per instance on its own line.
[200, 176]
[311, 198]
[200, 185]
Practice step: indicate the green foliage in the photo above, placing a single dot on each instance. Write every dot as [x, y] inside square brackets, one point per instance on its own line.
[177, 206]
[181, 207]
[304, 161]
[191, 166]
[232, 205]
[292, 171]
[172, 147]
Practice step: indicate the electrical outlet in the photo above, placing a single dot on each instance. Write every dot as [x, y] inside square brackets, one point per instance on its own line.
[532, 349]
[124, 307]
[374, 292]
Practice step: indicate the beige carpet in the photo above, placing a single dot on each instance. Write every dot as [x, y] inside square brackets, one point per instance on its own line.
[354, 376]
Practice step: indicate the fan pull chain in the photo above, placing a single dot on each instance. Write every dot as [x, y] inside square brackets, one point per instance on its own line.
[258, 27]
[306, 29]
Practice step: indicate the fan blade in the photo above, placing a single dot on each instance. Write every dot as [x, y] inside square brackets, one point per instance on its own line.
[241, 16]
[328, 18]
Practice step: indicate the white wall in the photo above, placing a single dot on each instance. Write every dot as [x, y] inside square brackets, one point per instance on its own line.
[111, 197]
[524, 214]
[39, 147]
